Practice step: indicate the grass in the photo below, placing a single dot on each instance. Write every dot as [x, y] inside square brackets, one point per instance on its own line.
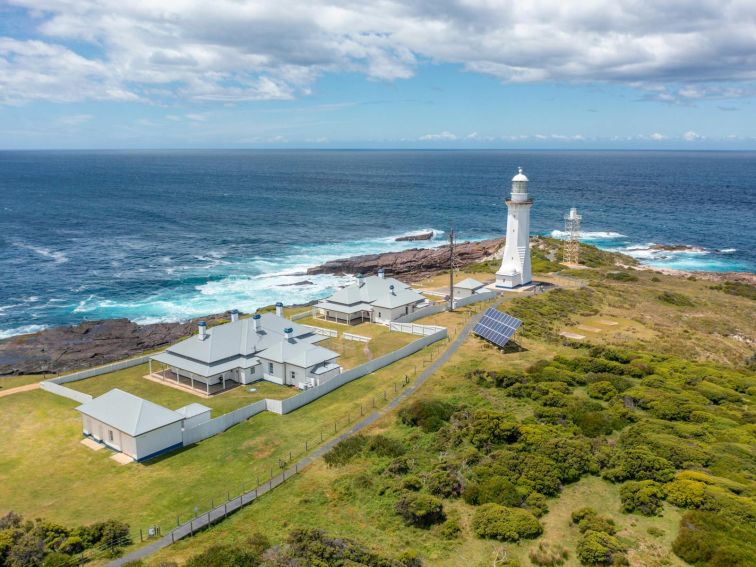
[40, 434]
[9, 382]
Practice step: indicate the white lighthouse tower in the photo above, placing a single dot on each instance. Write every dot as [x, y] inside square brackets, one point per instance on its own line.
[515, 265]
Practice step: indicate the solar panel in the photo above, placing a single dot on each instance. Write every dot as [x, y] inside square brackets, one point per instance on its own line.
[496, 326]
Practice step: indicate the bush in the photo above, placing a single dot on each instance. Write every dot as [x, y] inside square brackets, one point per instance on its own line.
[498, 490]
[535, 503]
[586, 519]
[450, 529]
[385, 446]
[622, 276]
[492, 521]
[345, 450]
[674, 298]
[686, 493]
[548, 555]
[644, 496]
[429, 415]
[412, 482]
[638, 464]
[420, 510]
[707, 538]
[601, 390]
[540, 474]
[573, 457]
[224, 556]
[444, 483]
[493, 428]
[599, 548]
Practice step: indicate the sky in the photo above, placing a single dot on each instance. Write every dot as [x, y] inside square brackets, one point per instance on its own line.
[474, 74]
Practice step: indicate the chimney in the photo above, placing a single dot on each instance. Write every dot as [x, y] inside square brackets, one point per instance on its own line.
[256, 322]
[381, 273]
[234, 315]
[279, 309]
[288, 333]
[391, 287]
[202, 328]
[360, 280]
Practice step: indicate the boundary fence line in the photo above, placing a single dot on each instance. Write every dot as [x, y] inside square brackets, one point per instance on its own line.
[358, 338]
[322, 331]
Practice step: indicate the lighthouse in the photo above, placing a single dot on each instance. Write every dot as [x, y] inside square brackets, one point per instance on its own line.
[515, 264]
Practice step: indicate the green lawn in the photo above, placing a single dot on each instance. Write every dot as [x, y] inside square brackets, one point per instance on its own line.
[132, 380]
[9, 382]
[40, 434]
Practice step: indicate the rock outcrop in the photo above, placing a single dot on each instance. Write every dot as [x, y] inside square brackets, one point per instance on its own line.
[87, 344]
[414, 237]
[412, 265]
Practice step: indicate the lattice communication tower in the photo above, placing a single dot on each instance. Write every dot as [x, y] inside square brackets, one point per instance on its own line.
[572, 236]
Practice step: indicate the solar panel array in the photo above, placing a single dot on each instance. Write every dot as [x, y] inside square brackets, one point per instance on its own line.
[496, 326]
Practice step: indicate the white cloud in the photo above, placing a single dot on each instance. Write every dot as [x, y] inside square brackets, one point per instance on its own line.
[691, 136]
[196, 117]
[657, 137]
[442, 136]
[232, 50]
[74, 120]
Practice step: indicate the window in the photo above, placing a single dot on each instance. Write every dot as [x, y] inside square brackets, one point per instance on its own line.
[293, 375]
[270, 368]
[110, 435]
[406, 309]
[380, 315]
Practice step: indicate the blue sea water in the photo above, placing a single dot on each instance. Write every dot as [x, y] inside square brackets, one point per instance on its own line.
[169, 235]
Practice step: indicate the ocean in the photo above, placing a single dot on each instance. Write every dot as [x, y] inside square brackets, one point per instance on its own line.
[170, 235]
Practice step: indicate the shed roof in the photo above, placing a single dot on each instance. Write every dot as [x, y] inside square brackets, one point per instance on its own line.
[129, 413]
[469, 283]
[377, 291]
[299, 353]
[192, 410]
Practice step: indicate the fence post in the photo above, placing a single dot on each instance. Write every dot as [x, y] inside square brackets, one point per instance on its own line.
[177, 521]
[141, 537]
[305, 446]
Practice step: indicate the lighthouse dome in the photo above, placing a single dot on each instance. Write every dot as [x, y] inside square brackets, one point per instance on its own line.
[520, 175]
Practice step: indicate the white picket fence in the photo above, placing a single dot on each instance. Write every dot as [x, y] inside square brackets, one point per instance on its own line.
[414, 328]
[322, 331]
[353, 337]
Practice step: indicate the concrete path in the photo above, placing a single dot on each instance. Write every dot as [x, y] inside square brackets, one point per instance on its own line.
[19, 389]
[220, 512]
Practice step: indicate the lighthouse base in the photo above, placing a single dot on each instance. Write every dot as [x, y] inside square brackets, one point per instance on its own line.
[510, 281]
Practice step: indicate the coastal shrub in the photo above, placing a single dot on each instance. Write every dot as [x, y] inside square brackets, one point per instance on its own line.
[312, 546]
[601, 390]
[600, 548]
[443, 482]
[412, 482]
[708, 538]
[675, 298]
[685, 493]
[399, 466]
[429, 415]
[588, 519]
[638, 464]
[492, 521]
[643, 496]
[740, 289]
[622, 276]
[450, 529]
[223, 556]
[573, 457]
[495, 489]
[345, 450]
[493, 428]
[420, 510]
[385, 446]
[535, 503]
[619, 383]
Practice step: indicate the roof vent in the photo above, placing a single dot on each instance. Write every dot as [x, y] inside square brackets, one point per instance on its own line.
[288, 332]
[234, 315]
[279, 309]
[360, 280]
[256, 322]
[391, 287]
[202, 328]
[381, 273]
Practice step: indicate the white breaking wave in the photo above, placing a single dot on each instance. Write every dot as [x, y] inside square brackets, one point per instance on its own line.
[23, 330]
[588, 235]
[728, 250]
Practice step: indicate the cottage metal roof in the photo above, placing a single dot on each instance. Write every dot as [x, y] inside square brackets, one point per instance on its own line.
[299, 353]
[374, 291]
[469, 283]
[129, 413]
[192, 410]
[237, 338]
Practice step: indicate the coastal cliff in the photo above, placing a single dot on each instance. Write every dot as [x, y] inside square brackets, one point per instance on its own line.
[412, 265]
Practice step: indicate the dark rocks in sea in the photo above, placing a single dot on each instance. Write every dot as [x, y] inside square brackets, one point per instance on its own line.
[412, 265]
[414, 237]
[303, 282]
[87, 344]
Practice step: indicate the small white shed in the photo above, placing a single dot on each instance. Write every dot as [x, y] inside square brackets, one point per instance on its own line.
[194, 414]
[467, 287]
[134, 426]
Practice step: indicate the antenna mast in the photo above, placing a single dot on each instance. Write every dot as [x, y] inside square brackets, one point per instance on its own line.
[451, 269]
[572, 240]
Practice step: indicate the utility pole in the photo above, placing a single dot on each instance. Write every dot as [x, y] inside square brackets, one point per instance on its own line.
[451, 269]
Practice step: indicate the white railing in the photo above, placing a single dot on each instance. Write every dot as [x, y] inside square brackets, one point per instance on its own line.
[322, 331]
[414, 328]
[353, 337]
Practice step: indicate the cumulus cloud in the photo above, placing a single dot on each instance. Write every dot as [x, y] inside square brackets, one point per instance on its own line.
[442, 136]
[232, 50]
[657, 137]
[691, 136]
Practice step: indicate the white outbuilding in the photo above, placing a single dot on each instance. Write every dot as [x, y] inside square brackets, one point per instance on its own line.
[137, 427]
[467, 287]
